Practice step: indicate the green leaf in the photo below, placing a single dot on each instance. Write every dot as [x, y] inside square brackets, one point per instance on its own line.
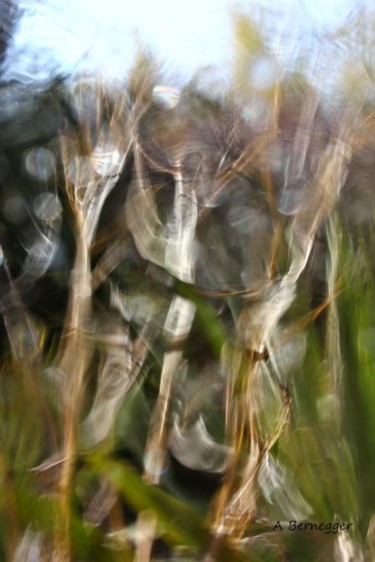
[180, 524]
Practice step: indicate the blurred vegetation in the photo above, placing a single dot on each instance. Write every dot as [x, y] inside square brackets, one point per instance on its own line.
[187, 299]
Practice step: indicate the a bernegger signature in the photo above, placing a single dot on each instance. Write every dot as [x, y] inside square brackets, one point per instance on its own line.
[328, 528]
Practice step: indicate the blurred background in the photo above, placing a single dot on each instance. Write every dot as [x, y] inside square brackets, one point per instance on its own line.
[42, 39]
[187, 280]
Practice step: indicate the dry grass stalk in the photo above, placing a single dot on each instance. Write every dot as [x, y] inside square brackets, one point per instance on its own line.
[236, 505]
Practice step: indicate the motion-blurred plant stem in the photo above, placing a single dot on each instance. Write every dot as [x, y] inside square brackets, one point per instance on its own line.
[75, 356]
